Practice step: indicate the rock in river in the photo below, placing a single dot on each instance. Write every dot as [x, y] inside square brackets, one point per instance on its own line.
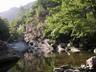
[91, 63]
[8, 57]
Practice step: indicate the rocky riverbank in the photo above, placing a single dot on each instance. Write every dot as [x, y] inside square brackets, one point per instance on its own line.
[90, 66]
[8, 57]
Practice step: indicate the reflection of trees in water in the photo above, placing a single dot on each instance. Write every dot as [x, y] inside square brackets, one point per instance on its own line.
[33, 63]
[29, 63]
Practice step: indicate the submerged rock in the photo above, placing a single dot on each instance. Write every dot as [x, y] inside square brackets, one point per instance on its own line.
[68, 70]
[56, 70]
[63, 68]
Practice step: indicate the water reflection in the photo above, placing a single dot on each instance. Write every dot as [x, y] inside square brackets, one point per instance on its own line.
[75, 59]
[47, 64]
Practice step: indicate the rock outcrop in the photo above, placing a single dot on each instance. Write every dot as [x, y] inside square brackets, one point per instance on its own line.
[34, 38]
[8, 57]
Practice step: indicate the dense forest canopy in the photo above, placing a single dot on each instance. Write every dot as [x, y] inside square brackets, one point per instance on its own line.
[74, 16]
[75, 19]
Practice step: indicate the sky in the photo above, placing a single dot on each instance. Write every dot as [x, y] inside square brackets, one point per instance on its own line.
[7, 4]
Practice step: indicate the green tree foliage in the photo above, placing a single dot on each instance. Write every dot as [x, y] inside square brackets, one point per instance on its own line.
[35, 16]
[16, 29]
[4, 30]
[76, 18]
[71, 19]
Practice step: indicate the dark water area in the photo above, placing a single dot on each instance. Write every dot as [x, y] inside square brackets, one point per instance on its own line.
[7, 63]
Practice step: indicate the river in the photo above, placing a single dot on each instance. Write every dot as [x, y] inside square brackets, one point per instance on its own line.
[47, 64]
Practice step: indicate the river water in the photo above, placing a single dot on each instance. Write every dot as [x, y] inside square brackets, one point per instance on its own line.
[75, 59]
[31, 63]
[47, 64]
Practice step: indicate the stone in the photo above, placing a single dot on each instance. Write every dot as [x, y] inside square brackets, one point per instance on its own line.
[65, 67]
[56, 70]
[83, 66]
[76, 70]
[8, 57]
[91, 62]
[69, 70]
[60, 49]
[74, 50]
[94, 51]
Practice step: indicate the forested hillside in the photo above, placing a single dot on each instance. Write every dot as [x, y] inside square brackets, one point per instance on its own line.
[14, 12]
[63, 20]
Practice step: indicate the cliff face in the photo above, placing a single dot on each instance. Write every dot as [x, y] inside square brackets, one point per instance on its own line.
[38, 44]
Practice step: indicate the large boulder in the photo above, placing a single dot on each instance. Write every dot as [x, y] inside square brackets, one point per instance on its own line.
[8, 57]
[91, 63]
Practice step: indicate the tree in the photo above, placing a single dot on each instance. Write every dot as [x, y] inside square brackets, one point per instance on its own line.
[4, 30]
[75, 18]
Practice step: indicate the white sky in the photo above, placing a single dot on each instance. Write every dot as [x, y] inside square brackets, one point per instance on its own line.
[7, 4]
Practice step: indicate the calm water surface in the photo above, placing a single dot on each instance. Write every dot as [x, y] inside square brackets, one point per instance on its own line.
[47, 64]
[75, 59]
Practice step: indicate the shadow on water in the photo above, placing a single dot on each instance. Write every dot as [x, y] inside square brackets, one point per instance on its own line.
[7, 63]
